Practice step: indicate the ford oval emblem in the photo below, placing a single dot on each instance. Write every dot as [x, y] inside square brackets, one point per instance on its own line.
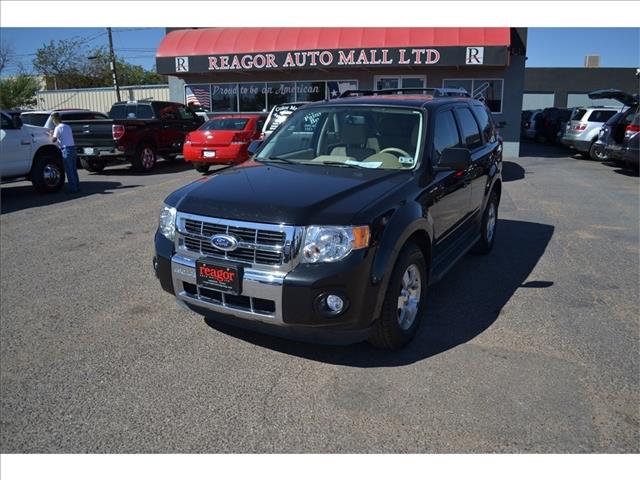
[226, 243]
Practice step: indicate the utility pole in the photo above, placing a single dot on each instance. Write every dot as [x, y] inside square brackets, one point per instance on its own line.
[112, 60]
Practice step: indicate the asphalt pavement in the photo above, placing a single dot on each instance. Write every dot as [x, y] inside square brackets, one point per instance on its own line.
[534, 348]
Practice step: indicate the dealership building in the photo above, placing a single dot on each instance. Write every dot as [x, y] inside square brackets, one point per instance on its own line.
[253, 69]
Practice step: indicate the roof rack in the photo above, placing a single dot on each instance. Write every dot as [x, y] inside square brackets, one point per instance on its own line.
[436, 92]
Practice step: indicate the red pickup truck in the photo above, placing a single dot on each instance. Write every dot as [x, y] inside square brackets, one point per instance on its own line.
[137, 132]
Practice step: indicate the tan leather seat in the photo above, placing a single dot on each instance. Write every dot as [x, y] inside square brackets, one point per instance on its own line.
[355, 142]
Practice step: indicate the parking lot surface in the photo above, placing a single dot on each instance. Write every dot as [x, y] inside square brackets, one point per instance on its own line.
[533, 348]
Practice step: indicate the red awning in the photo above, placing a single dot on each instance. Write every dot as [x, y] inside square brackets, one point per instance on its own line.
[213, 41]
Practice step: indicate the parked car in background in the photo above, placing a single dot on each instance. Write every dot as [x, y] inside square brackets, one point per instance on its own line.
[621, 136]
[528, 123]
[603, 135]
[28, 152]
[278, 115]
[581, 132]
[549, 124]
[136, 132]
[222, 140]
[42, 118]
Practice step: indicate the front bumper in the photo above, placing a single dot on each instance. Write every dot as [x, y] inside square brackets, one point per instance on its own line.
[278, 303]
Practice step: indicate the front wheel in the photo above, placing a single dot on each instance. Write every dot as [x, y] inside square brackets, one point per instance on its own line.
[597, 152]
[488, 227]
[145, 158]
[47, 173]
[403, 302]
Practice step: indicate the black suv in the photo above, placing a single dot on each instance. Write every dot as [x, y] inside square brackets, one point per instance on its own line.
[335, 226]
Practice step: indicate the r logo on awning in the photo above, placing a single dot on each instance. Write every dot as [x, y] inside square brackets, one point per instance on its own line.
[475, 56]
[182, 64]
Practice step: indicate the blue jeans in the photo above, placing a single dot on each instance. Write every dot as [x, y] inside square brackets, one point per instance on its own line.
[69, 159]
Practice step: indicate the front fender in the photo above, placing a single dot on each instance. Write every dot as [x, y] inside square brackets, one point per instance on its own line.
[403, 223]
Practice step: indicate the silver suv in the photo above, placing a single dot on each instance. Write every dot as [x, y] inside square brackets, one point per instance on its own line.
[581, 132]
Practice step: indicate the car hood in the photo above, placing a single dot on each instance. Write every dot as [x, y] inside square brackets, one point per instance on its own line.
[289, 194]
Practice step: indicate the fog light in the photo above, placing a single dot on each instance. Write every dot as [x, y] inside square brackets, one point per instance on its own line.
[335, 303]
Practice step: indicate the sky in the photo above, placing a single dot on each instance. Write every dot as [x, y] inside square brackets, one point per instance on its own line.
[547, 47]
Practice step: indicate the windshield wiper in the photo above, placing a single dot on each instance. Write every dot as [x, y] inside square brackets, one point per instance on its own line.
[275, 159]
[342, 164]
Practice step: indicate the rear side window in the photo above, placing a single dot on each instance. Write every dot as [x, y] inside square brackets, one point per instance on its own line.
[117, 112]
[578, 114]
[145, 111]
[225, 124]
[445, 133]
[601, 115]
[168, 113]
[485, 121]
[470, 132]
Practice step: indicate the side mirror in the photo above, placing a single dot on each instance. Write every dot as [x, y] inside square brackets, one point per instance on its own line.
[254, 146]
[454, 159]
[17, 122]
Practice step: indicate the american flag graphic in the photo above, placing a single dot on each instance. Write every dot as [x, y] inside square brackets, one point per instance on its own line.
[199, 96]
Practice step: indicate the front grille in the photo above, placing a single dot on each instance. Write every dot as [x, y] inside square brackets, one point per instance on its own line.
[256, 246]
[239, 302]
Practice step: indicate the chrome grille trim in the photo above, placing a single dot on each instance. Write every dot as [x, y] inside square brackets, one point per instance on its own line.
[264, 246]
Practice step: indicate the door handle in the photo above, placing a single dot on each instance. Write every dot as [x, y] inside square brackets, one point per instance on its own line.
[25, 142]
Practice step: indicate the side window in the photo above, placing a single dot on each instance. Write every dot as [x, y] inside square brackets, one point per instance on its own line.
[168, 113]
[601, 115]
[445, 134]
[470, 131]
[185, 114]
[486, 123]
[145, 111]
[6, 122]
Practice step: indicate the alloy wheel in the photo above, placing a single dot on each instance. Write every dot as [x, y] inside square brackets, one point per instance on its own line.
[409, 298]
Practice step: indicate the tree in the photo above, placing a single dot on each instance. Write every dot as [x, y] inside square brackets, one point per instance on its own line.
[73, 66]
[18, 92]
[5, 55]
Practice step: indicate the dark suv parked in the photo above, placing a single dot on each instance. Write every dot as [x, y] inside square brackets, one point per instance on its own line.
[337, 224]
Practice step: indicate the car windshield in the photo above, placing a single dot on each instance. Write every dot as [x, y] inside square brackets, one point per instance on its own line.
[348, 136]
[225, 124]
[35, 119]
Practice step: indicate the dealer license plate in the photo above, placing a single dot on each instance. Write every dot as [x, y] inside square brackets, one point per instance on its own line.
[219, 276]
[209, 154]
[88, 151]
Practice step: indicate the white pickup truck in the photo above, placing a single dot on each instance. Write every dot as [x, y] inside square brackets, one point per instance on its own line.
[28, 152]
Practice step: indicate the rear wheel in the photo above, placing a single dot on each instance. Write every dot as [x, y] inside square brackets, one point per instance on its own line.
[145, 158]
[404, 301]
[488, 227]
[47, 173]
[202, 167]
[92, 164]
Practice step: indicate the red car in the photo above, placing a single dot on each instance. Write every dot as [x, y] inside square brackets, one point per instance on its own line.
[222, 140]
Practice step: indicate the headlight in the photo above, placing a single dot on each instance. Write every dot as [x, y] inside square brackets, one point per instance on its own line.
[168, 222]
[331, 244]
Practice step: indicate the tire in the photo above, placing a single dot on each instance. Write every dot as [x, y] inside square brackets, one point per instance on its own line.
[145, 158]
[47, 173]
[396, 327]
[488, 227]
[201, 167]
[93, 165]
[597, 153]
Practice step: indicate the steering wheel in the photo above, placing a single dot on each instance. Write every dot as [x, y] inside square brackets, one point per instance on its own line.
[397, 151]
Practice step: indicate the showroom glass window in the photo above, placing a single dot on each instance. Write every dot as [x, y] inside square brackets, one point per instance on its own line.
[470, 131]
[224, 97]
[445, 134]
[492, 95]
[280, 92]
[252, 97]
[310, 91]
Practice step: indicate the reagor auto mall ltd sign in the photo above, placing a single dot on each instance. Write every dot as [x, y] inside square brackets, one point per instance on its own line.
[336, 58]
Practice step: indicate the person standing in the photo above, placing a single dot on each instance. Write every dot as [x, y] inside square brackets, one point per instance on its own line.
[64, 138]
